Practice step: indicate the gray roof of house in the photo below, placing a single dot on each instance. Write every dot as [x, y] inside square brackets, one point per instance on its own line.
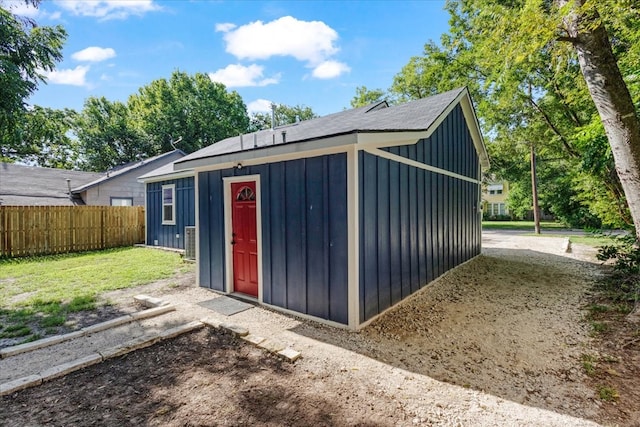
[32, 185]
[380, 117]
[124, 169]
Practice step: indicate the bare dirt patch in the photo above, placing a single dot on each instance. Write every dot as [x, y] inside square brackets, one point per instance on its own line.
[204, 378]
[613, 367]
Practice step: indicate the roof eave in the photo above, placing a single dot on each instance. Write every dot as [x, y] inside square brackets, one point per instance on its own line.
[269, 151]
[187, 173]
[474, 129]
[108, 178]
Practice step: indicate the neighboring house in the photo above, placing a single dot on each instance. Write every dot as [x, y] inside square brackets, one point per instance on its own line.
[33, 185]
[22, 185]
[340, 217]
[120, 186]
[494, 199]
[170, 206]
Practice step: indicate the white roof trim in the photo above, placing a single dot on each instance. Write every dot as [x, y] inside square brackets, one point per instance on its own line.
[299, 149]
[362, 140]
[474, 129]
[165, 177]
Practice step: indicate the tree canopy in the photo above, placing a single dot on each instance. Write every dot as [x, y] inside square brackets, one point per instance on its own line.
[284, 115]
[108, 137]
[26, 50]
[366, 96]
[185, 112]
[193, 108]
[524, 72]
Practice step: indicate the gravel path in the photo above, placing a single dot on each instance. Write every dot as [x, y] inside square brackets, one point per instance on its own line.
[496, 342]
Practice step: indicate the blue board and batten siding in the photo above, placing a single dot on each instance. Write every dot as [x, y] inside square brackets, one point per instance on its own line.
[167, 235]
[304, 233]
[415, 224]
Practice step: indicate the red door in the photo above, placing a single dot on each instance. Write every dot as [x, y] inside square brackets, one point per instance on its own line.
[244, 238]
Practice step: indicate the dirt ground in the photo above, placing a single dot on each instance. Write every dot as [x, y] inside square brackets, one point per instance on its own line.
[511, 324]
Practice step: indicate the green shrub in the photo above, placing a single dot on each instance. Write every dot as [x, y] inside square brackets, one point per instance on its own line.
[624, 283]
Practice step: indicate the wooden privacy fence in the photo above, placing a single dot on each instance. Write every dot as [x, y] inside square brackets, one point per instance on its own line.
[43, 230]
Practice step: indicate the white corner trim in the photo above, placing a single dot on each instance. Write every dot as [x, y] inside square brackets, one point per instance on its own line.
[146, 212]
[400, 159]
[196, 199]
[228, 229]
[353, 240]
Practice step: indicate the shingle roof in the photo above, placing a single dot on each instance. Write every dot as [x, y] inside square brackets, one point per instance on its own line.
[31, 185]
[121, 170]
[412, 116]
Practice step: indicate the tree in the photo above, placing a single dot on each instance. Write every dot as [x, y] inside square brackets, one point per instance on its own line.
[527, 86]
[587, 33]
[46, 138]
[25, 51]
[365, 96]
[193, 108]
[284, 115]
[107, 136]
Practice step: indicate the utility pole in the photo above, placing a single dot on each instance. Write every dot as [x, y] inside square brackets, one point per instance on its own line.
[534, 191]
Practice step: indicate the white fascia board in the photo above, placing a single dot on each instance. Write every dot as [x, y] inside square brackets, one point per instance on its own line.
[177, 175]
[474, 129]
[292, 150]
[273, 159]
[390, 139]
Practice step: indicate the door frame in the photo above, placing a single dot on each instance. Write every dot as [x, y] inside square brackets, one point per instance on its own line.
[228, 229]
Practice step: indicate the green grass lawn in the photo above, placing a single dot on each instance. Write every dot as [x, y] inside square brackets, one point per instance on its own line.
[595, 240]
[551, 229]
[37, 294]
[522, 225]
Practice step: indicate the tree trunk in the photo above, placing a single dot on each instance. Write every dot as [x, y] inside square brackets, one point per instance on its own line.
[534, 192]
[610, 95]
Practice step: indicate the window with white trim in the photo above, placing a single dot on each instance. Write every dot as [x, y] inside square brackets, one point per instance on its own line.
[169, 204]
[495, 188]
[496, 209]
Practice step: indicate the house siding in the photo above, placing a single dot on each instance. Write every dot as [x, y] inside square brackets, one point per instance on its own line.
[125, 185]
[415, 224]
[304, 233]
[170, 236]
[450, 147]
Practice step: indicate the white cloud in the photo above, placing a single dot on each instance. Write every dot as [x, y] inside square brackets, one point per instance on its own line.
[108, 9]
[28, 11]
[309, 41]
[236, 75]
[225, 27]
[72, 77]
[20, 8]
[259, 106]
[94, 54]
[330, 69]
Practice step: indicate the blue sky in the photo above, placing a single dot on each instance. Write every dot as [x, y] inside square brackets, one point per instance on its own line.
[288, 52]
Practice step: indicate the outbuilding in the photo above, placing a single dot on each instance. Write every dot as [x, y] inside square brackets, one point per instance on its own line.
[170, 208]
[338, 218]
